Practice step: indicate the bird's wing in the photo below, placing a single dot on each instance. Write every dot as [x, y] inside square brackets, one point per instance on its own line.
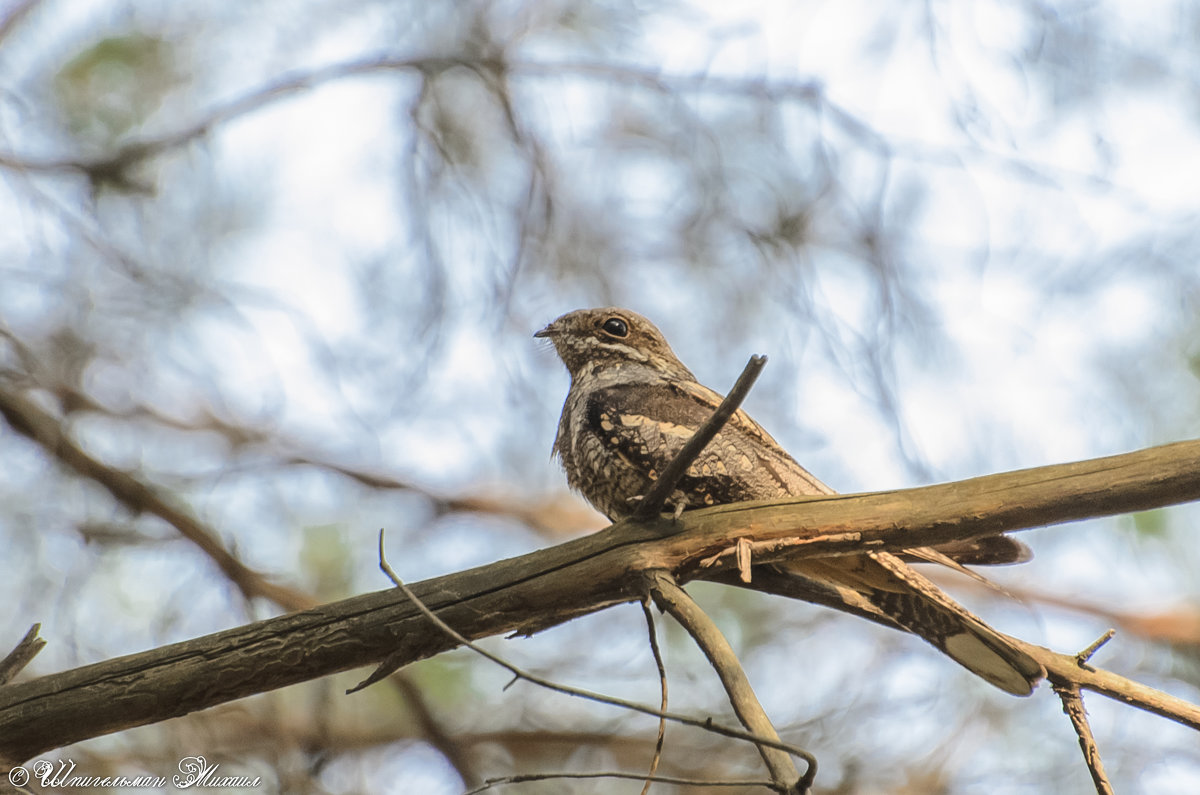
[986, 551]
[647, 424]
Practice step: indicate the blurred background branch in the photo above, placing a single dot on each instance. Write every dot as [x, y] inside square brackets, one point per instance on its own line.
[279, 264]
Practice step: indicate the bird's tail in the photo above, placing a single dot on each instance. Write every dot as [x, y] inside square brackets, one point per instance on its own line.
[891, 587]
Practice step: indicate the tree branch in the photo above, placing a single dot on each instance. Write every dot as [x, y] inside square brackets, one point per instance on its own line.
[1072, 703]
[847, 524]
[24, 652]
[652, 504]
[699, 783]
[42, 427]
[16, 14]
[39, 425]
[773, 742]
[551, 586]
[1065, 668]
[670, 597]
[115, 166]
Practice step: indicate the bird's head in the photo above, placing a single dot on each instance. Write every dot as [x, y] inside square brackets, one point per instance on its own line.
[591, 340]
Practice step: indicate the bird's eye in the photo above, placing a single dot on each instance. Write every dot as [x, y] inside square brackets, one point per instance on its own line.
[616, 327]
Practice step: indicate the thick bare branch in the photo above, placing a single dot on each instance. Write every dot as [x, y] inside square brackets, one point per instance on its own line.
[549, 587]
[846, 524]
[772, 741]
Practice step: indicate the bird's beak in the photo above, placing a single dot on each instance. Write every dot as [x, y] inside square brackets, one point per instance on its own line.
[548, 331]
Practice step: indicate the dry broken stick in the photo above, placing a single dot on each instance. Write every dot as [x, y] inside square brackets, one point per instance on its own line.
[16, 660]
[652, 504]
[1094, 647]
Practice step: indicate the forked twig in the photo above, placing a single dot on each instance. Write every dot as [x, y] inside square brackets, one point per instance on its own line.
[600, 698]
[676, 601]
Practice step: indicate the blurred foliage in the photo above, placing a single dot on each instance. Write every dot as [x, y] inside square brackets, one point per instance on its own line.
[114, 85]
[326, 562]
[1150, 524]
[281, 262]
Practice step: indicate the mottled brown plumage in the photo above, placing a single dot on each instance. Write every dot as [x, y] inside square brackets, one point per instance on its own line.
[632, 405]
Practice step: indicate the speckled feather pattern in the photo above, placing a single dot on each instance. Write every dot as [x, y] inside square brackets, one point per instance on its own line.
[622, 435]
[630, 408]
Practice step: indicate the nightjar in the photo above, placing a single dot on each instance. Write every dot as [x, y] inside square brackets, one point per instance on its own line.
[632, 405]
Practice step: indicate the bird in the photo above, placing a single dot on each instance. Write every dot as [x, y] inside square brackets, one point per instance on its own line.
[632, 404]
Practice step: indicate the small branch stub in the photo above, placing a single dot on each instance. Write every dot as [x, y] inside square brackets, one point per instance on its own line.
[16, 660]
[744, 559]
[1085, 655]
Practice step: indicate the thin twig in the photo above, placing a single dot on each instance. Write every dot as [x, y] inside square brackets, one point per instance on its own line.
[662, 681]
[1087, 653]
[652, 504]
[808, 92]
[669, 596]
[1066, 668]
[1072, 703]
[15, 16]
[16, 660]
[685, 782]
[543, 516]
[600, 698]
